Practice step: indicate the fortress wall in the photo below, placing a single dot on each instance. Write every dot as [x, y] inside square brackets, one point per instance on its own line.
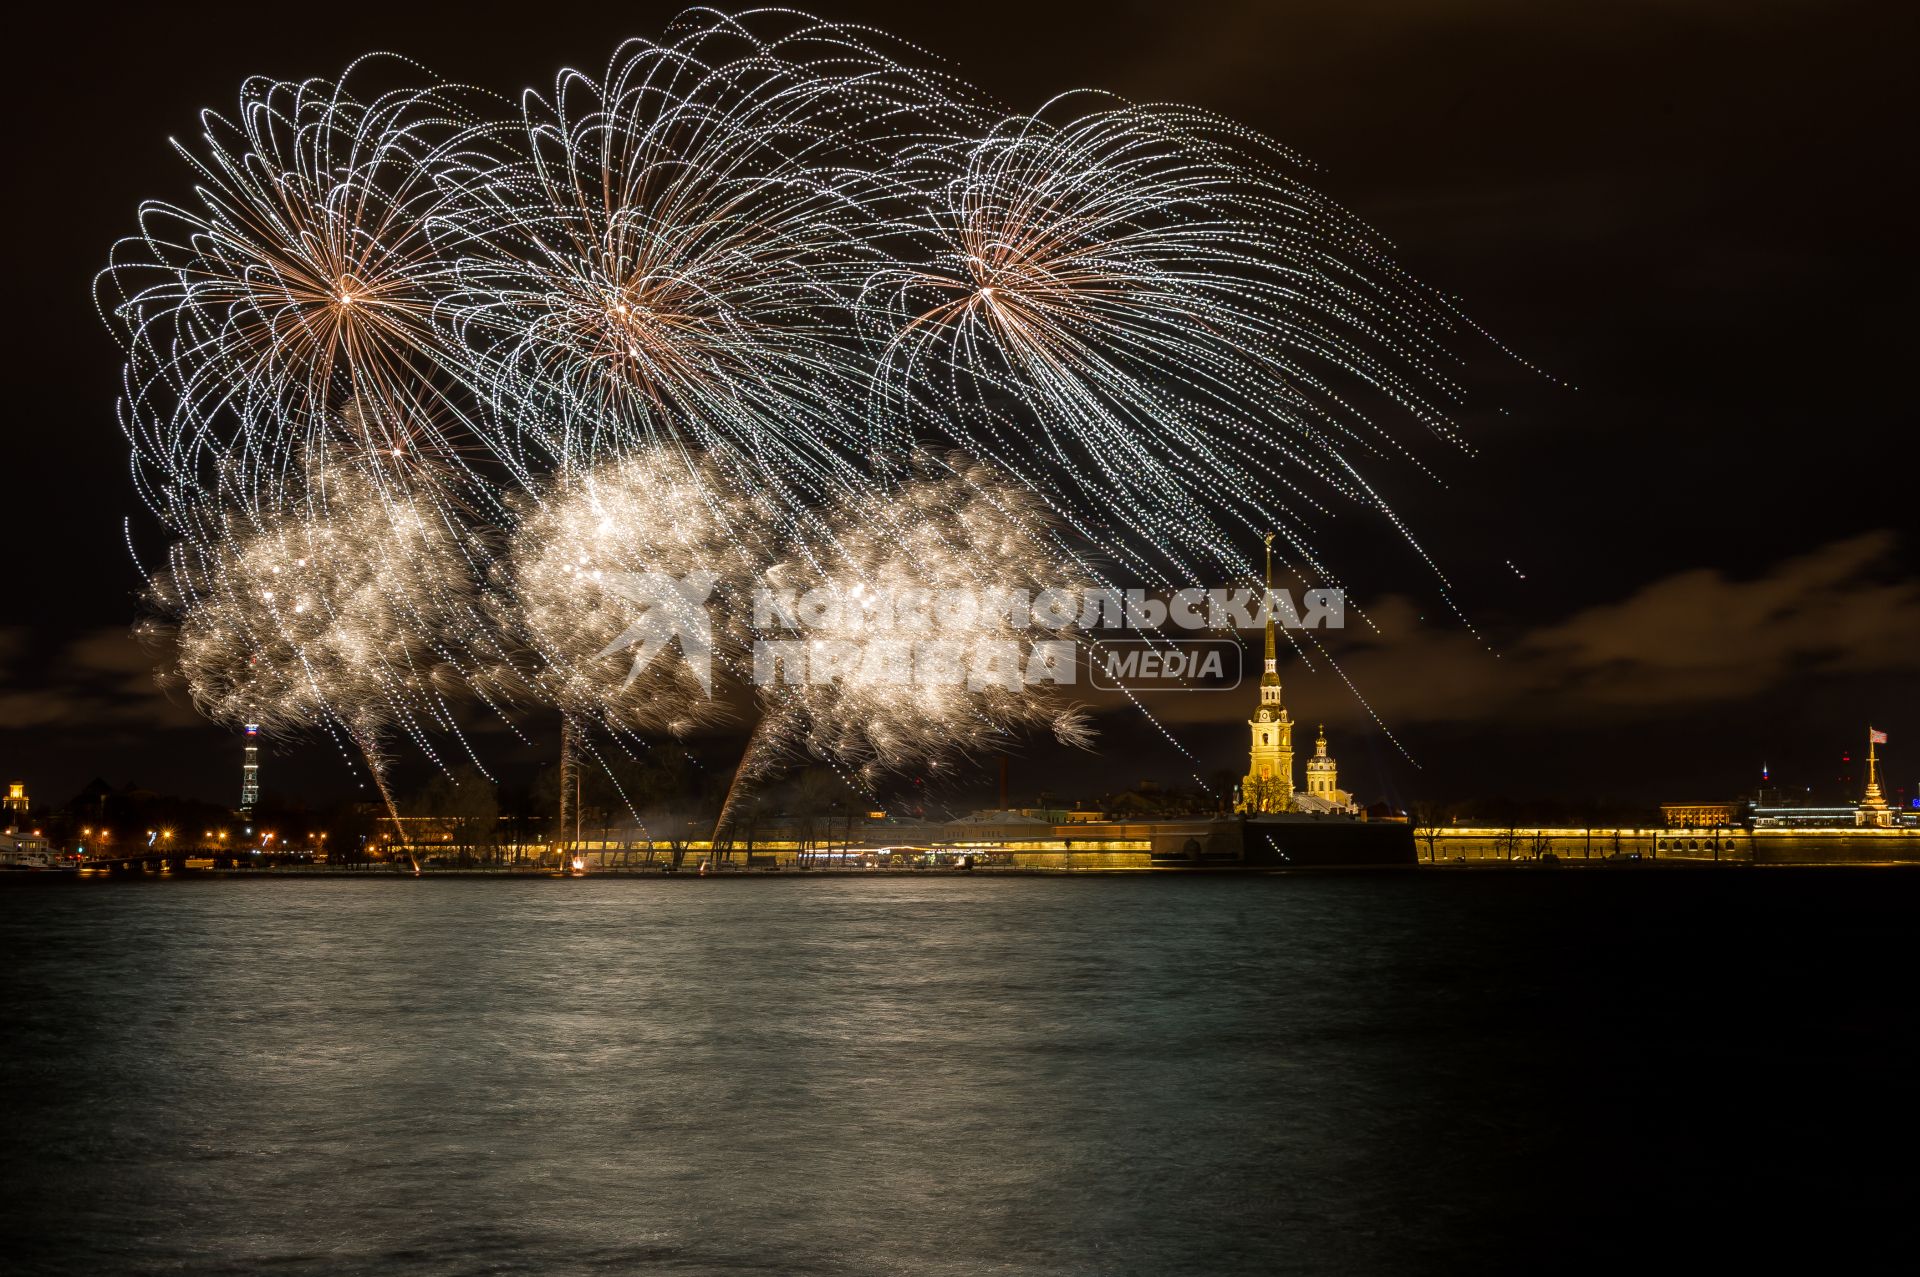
[1760, 846]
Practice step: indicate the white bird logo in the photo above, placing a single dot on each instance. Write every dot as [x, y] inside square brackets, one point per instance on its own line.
[670, 608]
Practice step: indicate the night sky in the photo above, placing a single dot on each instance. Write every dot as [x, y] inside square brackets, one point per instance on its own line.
[1687, 540]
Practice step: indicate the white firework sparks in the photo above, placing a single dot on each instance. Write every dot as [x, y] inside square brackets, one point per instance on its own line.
[927, 669]
[1142, 316]
[675, 253]
[594, 561]
[693, 316]
[290, 306]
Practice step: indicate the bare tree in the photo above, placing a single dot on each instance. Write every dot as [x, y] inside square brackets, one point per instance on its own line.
[1427, 818]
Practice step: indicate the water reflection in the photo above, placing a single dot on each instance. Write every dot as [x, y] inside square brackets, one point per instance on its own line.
[919, 1075]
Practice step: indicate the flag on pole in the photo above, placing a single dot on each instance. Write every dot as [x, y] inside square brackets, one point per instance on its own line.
[1876, 738]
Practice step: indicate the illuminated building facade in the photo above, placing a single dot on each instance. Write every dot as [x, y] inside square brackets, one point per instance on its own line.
[16, 802]
[1699, 815]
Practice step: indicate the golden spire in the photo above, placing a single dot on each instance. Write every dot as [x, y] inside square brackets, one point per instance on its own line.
[1273, 654]
[1269, 781]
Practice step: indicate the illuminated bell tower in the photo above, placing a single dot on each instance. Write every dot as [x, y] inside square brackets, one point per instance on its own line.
[1323, 774]
[1268, 785]
[250, 771]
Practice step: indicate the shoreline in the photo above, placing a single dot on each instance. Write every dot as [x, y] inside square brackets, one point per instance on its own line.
[346, 874]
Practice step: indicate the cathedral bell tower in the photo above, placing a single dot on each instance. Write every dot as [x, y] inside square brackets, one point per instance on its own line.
[1323, 775]
[1268, 785]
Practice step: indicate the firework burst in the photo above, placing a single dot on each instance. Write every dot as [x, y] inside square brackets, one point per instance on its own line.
[912, 653]
[592, 561]
[707, 313]
[674, 253]
[290, 306]
[1139, 313]
[344, 612]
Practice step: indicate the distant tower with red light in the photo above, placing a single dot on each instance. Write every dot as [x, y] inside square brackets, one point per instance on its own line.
[250, 771]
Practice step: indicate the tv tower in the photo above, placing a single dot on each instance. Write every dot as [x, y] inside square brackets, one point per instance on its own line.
[250, 771]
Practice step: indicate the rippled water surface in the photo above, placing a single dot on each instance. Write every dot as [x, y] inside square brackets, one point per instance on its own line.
[1406, 1073]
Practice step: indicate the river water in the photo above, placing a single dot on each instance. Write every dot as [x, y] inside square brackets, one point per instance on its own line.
[1423, 1072]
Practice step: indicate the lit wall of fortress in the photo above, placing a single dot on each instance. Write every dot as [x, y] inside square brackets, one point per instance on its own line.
[1758, 846]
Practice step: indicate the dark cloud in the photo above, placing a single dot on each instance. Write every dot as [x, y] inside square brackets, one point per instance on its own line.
[100, 684]
[1695, 638]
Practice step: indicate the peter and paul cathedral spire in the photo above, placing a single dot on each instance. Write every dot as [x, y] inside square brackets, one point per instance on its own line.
[1268, 784]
